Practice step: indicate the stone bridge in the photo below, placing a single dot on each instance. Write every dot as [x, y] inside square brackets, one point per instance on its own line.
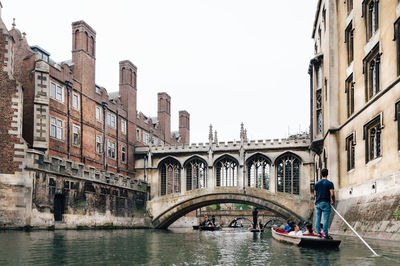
[275, 175]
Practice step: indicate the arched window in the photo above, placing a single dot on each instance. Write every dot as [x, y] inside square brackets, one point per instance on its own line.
[92, 46]
[196, 171]
[226, 169]
[86, 41]
[77, 37]
[288, 174]
[170, 171]
[258, 170]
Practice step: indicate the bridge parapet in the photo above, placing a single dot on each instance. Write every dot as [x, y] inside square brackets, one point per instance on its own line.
[226, 146]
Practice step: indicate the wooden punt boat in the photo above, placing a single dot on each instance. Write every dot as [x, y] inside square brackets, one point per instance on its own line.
[210, 228]
[306, 240]
[256, 230]
[196, 227]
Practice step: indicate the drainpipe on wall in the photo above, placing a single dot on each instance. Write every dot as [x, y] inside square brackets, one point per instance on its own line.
[104, 104]
[69, 86]
[144, 163]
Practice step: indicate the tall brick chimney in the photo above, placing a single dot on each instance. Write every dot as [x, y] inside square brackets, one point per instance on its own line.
[164, 114]
[184, 126]
[84, 55]
[127, 87]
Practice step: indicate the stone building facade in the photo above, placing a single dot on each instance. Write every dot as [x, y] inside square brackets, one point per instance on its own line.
[67, 145]
[355, 110]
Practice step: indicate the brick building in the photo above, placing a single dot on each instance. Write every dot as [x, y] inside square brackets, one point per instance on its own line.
[64, 139]
[67, 114]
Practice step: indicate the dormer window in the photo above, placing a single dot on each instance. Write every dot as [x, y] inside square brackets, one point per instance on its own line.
[41, 53]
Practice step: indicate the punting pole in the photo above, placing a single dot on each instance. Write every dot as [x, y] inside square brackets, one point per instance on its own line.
[354, 231]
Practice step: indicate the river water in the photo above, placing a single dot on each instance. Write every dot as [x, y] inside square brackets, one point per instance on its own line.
[180, 247]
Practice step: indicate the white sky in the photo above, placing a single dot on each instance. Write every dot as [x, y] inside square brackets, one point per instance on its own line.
[224, 61]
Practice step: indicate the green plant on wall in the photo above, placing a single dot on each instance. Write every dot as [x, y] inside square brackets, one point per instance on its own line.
[396, 214]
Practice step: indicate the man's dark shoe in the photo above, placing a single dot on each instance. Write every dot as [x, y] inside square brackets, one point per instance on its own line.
[328, 237]
[319, 235]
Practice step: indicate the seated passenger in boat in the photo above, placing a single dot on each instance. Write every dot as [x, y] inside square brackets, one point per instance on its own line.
[296, 232]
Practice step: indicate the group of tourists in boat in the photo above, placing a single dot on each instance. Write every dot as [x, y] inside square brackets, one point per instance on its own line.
[302, 234]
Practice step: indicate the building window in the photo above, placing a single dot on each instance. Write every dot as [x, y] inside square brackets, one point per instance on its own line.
[372, 136]
[57, 92]
[146, 138]
[98, 144]
[372, 72]
[397, 113]
[56, 128]
[123, 126]
[111, 149]
[349, 6]
[75, 135]
[226, 170]
[258, 175]
[350, 95]
[288, 174]
[123, 154]
[371, 15]
[98, 113]
[349, 39]
[111, 120]
[195, 174]
[138, 134]
[170, 171]
[397, 39]
[75, 101]
[318, 99]
[350, 149]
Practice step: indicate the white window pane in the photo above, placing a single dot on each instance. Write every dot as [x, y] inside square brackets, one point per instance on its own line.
[53, 90]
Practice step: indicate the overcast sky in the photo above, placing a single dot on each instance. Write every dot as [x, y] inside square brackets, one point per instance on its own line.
[224, 61]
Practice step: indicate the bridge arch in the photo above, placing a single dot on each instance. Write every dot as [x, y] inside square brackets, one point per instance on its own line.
[239, 218]
[177, 210]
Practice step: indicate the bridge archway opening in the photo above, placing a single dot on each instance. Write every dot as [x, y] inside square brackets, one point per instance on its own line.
[240, 219]
[175, 212]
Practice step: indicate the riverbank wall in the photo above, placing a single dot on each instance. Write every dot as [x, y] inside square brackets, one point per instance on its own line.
[372, 208]
[56, 193]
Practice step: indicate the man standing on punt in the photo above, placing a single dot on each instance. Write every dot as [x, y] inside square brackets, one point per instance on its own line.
[324, 193]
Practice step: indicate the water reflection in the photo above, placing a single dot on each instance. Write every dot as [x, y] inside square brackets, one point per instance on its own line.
[179, 247]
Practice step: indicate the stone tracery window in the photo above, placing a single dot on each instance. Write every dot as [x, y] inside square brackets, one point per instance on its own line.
[196, 171]
[226, 172]
[258, 168]
[288, 174]
[170, 171]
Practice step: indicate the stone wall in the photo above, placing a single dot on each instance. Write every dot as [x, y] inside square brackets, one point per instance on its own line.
[372, 208]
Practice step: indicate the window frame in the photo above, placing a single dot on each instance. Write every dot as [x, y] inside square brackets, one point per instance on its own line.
[98, 148]
[349, 5]
[138, 135]
[377, 124]
[123, 154]
[372, 72]
[349, 40]
[99, 118]
[58, 96]
[396, 38]
[77, 107]
[78, 128]
[110, 149]
[350, 151]
[123, 126]
[146, 138]
[111, 120]
[371, 18]
[349, 90]
[58, 128]
[397, 118]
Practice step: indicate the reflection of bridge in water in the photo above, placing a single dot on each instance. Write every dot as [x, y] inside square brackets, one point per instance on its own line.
[244, 217]
[272, 175]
